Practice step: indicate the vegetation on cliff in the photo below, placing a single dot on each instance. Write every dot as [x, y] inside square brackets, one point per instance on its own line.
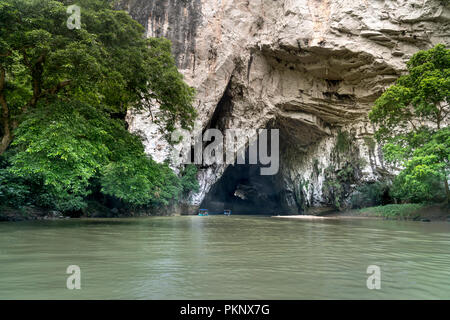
[344, 171]
[64, 94]
[412, 118]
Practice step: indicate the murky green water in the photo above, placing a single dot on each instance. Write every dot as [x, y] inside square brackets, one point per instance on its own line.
[237, 257]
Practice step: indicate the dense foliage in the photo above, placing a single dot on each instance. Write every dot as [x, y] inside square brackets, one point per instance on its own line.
[413, 118]
[425, 175]
[395, 211]
[69, 150]
[107, 63]
[63, 95]
[371, 194]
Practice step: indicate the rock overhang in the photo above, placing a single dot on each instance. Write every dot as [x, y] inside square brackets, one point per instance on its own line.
[311, 68]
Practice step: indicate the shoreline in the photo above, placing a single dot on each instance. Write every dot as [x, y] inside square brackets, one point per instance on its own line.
[396, 212]
[328, 217]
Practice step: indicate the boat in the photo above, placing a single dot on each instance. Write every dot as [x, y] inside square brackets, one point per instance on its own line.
[203, 212]
[227, 212]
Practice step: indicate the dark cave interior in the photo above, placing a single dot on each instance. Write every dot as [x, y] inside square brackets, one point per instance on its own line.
[242, 188]
[244, 191]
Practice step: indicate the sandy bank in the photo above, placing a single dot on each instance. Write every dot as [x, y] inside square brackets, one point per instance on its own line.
[330, 217]
[413, 212]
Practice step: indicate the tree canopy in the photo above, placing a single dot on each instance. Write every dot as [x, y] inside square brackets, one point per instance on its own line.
[412, 118]
[107, 63]
[64, 94]
[73, 150]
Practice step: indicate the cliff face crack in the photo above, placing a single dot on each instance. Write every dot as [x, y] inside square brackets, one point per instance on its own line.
[223, 111]
[176, 20]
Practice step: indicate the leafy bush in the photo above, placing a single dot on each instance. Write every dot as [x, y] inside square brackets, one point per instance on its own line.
[425, 174]
[189, 180]
[404, 211]
[371, 194]
[412, 119]
[429, 188]
[73, 149]
[13, 190]
[63, 145]
[140, 181]
[18, 191]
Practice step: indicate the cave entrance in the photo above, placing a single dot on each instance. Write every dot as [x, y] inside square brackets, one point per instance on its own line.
[244, 190]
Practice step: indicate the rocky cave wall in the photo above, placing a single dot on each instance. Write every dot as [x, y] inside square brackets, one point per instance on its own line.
[311, 68]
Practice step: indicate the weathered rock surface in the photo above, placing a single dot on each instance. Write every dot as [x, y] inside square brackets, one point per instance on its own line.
[311, 68]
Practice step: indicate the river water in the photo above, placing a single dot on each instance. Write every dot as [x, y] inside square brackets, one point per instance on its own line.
[216, 257]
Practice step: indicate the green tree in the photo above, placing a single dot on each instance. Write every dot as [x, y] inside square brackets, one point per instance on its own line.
[412, 116]
[140, 181]
[73, 150]
[189, 180]
[108, 63]
[64, 145]
[421, 179]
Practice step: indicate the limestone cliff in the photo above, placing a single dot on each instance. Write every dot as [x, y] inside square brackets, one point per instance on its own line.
[311, 68]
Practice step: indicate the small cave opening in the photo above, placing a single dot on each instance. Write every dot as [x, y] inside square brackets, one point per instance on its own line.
[244, 190]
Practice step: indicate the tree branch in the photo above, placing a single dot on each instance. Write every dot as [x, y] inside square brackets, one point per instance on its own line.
[7, 54]
[2, 78]
[7, 135]
[56, 88]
